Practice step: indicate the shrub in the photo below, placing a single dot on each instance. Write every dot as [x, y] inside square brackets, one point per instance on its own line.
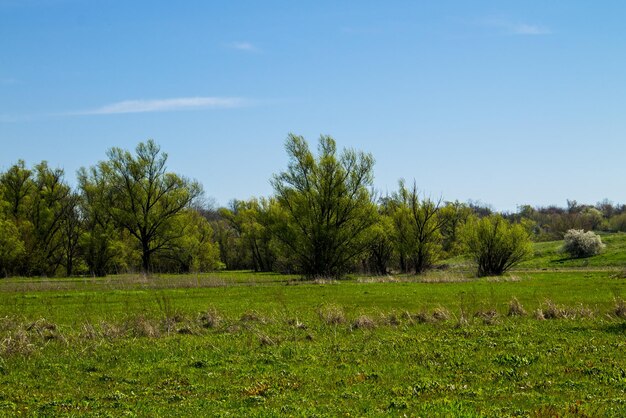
[578, 243]
[495, 244]
[618, 223]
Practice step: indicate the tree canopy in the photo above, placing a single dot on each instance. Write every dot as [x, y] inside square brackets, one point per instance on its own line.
[142, 197]
[327, 205]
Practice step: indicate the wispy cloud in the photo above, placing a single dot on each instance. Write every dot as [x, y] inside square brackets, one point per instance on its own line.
[243, 46]
[165, 105]
[515, 28]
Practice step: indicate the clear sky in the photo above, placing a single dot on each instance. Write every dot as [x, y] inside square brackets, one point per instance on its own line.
[504, 102]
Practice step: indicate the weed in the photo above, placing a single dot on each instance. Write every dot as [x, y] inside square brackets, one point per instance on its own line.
[266, 340]
[332, 314]
[252, 316]
[296, 324]
[516, 308]
[141, 326]
[17, 342]
[539, 315]
[620, 308]
[210, 318]
[422, 317]
[441, 314]
[391, 319]
[363, 322]
[489, 317]
[111, 331]
[553, 311]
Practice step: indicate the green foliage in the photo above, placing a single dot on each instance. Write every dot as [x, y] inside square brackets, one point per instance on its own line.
[455, 214]
[418, 228]
[252, 221]
[381, 242]
[102, 245]
[618, 223]
[11, 246]
[495, 244]
[143, 198]
[42, 207]
[578, 243]
[195, 251]
[326, 206]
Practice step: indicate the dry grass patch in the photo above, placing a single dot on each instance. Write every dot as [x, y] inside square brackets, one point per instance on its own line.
[551, 310]
[141, 326]
[17, 343]
[441, 314]
[516, 308]
[252, 316]
[211, 318]
[363, 322]
[378, 279]
[620, 308]
[332, 314]
[489, 317]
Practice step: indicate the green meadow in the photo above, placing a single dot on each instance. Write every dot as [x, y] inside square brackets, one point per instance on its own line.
[545, 340]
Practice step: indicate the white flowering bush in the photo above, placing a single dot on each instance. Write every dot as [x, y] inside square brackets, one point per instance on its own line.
[578, 243]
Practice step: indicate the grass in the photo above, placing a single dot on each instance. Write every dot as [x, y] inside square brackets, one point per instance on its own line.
[548, 255]
[541, 341]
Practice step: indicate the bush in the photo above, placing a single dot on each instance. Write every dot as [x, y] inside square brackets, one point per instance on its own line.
[618, 223]
[578, 243]
[495, 244]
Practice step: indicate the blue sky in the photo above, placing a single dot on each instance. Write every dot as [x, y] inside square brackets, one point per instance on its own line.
[505, 102]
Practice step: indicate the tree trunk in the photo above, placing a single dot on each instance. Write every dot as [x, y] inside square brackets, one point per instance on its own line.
[145, 257]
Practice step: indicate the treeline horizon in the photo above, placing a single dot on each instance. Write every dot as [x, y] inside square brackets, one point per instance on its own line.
[128, 213]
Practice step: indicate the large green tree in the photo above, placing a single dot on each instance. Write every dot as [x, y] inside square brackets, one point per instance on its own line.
[40, 204]
[418, 224]
[326, 204]
[143, 198]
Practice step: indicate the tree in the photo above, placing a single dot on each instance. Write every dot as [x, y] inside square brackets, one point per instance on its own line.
[326, 204]
[11, 246]
[41, 206]
[455, 215]
[418, 224]
[99, 242]
[71, 232]
[194, 251]
[495, 244]
[251, 220]
[17, 185]
[381, 243]
[143, 198]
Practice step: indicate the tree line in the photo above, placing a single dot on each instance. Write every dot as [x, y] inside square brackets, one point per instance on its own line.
[129, 213]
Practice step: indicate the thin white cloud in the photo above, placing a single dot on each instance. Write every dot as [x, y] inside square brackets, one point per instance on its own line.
[165, 105]
[515, 28]
[243, 46]
[525, 29]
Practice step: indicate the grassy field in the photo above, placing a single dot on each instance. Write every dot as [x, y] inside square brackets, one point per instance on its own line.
[545, 340]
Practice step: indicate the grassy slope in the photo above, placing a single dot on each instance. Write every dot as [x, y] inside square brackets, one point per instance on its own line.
[548, 255]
